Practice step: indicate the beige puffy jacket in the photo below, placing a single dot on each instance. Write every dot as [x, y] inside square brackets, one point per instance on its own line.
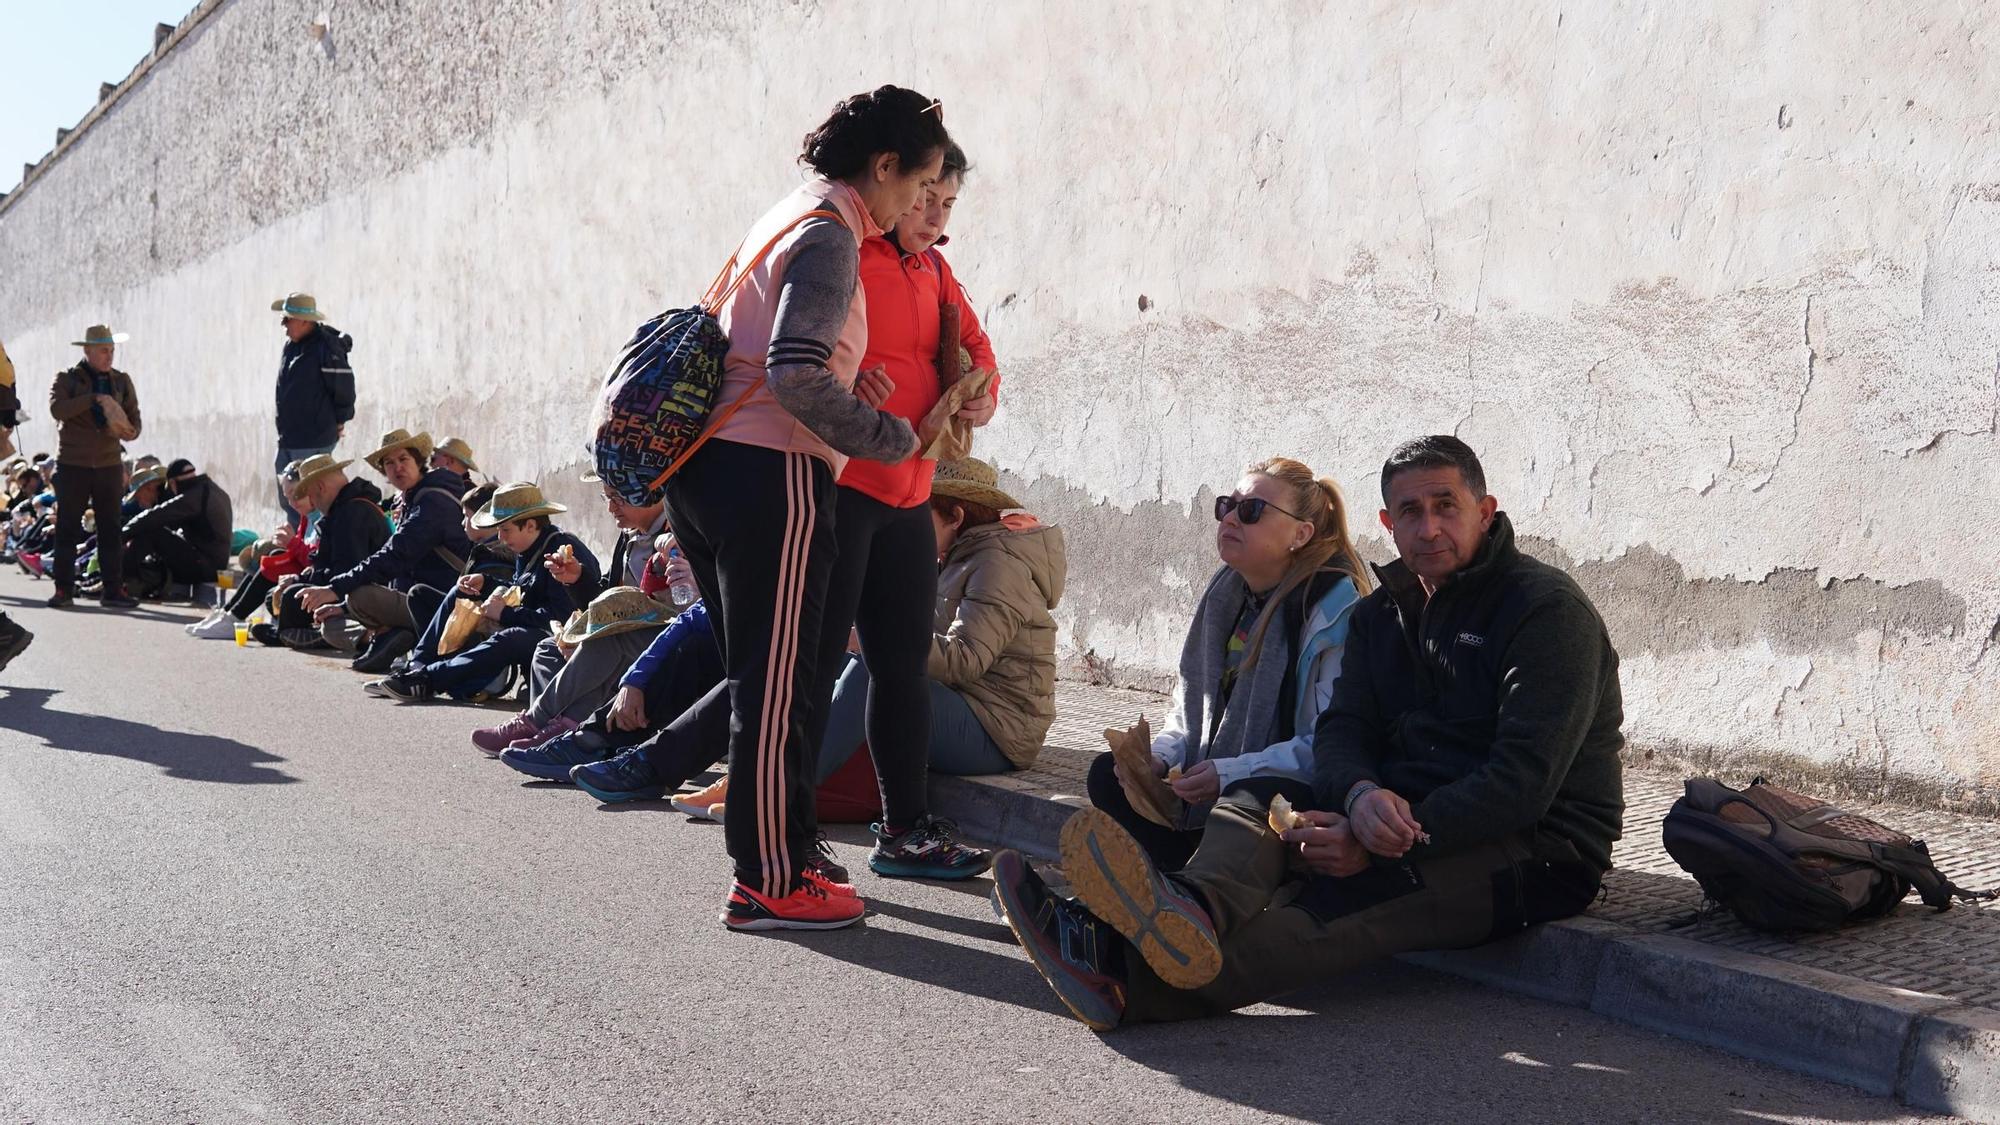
[995, 643]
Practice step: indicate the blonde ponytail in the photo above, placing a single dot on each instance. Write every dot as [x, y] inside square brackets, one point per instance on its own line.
[1318, 501]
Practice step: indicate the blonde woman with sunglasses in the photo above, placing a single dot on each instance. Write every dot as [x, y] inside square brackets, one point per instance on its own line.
[1260, 658]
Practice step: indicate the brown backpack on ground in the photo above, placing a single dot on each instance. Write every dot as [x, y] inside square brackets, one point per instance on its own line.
[1785, 861]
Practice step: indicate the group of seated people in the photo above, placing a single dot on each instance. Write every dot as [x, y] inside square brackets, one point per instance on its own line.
[1357, 761]
[177, 529]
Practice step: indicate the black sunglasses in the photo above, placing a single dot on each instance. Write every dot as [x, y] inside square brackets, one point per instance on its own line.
[1249, 509]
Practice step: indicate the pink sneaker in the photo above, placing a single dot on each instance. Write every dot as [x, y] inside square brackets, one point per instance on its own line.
[31, 562]
[492, 740]
[561, 724]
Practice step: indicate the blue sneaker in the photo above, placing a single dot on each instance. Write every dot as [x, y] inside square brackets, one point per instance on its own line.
[552, 760]
[623, 778]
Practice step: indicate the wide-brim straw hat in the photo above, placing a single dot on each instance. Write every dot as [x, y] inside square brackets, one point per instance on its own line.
[298, 306]
[400, 439]
[516, 501]
[621, 609]
[100, 334]
[971, 480]
[144, 477]
[312, 468]
[456, 447]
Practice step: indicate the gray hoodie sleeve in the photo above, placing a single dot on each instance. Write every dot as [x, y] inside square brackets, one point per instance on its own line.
[820, 275]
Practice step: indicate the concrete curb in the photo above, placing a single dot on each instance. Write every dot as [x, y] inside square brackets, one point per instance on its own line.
[1927, 1051]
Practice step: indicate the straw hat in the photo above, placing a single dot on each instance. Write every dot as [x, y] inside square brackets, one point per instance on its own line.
[100, 334]
[971, 480]
[144, 477]
[400, 439]
[515, 501]
[298, 474]
[298, 306]
[620, 609]
[456, 447]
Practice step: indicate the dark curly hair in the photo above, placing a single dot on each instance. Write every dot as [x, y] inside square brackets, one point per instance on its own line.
[886, 119]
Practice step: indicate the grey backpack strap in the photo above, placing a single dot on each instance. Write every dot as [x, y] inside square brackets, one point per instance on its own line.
[456, 563]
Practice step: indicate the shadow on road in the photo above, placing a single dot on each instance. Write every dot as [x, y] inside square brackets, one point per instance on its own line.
[181, 754]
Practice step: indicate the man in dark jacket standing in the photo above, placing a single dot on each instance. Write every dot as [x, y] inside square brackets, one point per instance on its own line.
[96, 410]
[184, 538]
[429, 547]
[315, 385]
[1466, 771]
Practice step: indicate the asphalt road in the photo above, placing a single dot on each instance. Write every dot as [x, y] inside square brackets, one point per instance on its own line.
[234, 888]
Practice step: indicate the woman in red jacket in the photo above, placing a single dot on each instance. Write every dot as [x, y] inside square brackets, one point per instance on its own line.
[885, 575]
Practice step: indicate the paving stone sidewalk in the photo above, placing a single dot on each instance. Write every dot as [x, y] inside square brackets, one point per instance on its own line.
[1907, 1005]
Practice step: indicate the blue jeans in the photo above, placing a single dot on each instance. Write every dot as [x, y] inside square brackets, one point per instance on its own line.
[958, 746]
[286, 457]
[466, 672]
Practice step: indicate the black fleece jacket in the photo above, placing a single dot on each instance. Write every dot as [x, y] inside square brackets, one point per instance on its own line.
[354, 528]
[1492, 708]
[429, 519]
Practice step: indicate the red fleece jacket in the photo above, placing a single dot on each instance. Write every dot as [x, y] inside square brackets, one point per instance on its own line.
[904, 292]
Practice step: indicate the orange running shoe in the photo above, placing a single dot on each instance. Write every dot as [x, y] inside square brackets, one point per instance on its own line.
[837, 890]
[810, 906]
[699, 803]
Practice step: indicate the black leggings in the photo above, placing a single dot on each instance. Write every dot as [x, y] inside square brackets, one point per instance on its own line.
[1171, 848]
[756, 526]
[884, 585]
[249, 596]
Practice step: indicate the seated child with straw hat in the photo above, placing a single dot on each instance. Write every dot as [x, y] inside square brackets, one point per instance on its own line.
[522, 609]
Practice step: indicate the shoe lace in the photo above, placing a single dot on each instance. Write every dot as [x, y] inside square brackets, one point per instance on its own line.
[822, 851]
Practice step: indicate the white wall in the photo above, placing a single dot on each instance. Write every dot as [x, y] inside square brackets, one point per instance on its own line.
[1713, 293]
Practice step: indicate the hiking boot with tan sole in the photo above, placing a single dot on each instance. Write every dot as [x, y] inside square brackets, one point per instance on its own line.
[1115, 878]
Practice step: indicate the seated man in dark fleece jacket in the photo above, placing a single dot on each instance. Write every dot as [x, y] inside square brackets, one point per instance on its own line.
[1467, 767]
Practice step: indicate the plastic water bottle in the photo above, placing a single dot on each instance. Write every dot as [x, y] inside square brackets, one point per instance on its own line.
[683, 592]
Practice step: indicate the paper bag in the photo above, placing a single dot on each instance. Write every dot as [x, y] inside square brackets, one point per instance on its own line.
[1151, 797]
[946, 436]
[460, 627]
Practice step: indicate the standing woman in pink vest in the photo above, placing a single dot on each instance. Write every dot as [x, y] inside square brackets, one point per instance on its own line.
[753, 509]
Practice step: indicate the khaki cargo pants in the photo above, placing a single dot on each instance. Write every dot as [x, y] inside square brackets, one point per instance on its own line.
[1282, 931]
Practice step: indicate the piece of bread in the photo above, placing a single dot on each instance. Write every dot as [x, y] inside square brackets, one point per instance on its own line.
[1282, 818]
[565, 554]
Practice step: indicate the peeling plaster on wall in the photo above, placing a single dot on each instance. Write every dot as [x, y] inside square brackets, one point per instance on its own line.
[1670, 319]
[1651, 605]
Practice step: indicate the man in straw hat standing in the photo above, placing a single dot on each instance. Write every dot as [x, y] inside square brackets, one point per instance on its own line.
[96, 410]
[315, 385]
[428, 548]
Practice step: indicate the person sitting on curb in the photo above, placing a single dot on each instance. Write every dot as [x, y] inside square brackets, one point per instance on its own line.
[143, 492]
[1466, 774]
[1258, 665]
[350, 529]
[992, 671]
[650, 718]
[491, 557]
[183, 539]
[453, 453]
[428, 547]
[265, 563]
[521, 514]
[567, 683]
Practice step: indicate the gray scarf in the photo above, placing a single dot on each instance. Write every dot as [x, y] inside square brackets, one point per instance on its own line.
[1251, 719]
